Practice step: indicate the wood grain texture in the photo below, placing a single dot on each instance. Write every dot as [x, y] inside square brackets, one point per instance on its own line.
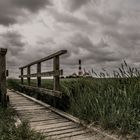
[45, 58]
[54, 123]
[3, 88]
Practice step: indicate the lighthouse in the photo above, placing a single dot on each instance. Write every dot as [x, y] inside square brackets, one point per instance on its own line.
[80, 68]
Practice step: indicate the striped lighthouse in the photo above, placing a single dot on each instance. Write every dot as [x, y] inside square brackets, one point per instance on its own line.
[80, 68]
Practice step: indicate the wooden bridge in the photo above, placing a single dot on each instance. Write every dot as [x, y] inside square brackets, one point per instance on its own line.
[55, 124]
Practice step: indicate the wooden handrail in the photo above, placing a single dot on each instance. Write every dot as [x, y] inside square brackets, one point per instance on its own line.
[43, 74]
[55, 73]
[45, 58]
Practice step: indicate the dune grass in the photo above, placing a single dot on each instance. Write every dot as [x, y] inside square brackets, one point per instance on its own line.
[111, 101]
[8, 130]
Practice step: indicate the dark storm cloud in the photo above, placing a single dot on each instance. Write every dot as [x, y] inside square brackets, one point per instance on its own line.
[12, 40]
[10, 10]
[80, 46]
[31, 5]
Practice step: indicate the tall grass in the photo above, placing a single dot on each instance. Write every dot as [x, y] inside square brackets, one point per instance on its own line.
[111, 100]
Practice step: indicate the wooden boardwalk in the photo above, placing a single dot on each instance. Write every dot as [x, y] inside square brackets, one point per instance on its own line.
[52, 122]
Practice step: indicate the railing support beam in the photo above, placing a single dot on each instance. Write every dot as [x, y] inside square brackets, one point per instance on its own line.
[22, 75]
[56, 66]
[3, 89]
[39, 72]
[28, 73]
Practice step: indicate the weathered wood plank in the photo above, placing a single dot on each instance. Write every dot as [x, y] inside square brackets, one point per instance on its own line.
[65, 131]
[55, 124]
[60, 128]
[50, 122]
[56, 66]
[69, 134]
[28, 108]
[3, 89]
[41, 128]
[42, 118]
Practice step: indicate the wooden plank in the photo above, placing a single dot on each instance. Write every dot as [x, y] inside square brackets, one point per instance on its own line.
[41, 128]
[47, 123]
[60, 128]
[69, 134]
[21, 104]
[65, 131]
[28, 108]
[86, 136]
[58, 112]
[46, 58]
[44, 74]
[57, 127]
[43, 91]
[42, 118]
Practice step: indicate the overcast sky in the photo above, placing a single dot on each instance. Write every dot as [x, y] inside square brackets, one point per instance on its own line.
[102, 33]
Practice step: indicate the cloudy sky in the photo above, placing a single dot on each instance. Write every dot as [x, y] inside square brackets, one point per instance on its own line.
[102, 33]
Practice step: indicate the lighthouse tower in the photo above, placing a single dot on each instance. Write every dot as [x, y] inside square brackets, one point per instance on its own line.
[80, 69]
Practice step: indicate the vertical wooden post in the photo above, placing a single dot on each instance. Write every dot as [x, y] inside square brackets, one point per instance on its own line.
[3, 89]
[56, 84]
[39, 72]
[28, 73]
[21, 76]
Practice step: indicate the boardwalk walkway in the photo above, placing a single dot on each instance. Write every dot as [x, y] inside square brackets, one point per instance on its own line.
[54, 123]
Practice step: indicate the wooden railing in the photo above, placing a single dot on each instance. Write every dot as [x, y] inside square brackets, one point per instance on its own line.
[3, 89]
[55, 73]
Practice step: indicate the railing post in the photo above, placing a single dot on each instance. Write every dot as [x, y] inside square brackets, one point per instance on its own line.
[28, 73]
[56, 84]
[39, 72]
[3, 89]
[21, 76]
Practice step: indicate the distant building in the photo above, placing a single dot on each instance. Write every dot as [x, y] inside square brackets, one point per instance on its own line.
[80, 72]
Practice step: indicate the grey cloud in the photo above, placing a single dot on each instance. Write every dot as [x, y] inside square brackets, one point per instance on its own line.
[127, 44]
[10, 10]
[110, 19]
[32, 5]
[81, 47]
[12, 40]
[76, 4]
[76, 22]
[6, 20]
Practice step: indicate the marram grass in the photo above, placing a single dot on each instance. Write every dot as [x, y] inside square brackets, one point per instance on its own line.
[112, 101]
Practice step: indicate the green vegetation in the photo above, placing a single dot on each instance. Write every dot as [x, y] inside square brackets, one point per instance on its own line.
[8, 130]
[113, 103]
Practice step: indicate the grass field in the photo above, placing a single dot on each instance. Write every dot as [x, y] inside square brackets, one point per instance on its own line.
[8, 130]
[113, 103]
